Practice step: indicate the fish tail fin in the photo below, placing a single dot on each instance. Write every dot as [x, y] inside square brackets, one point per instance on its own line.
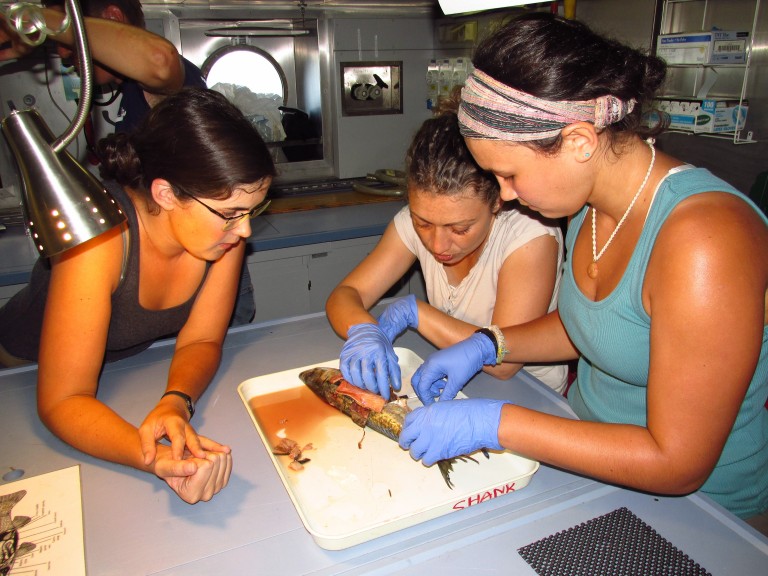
[446, 467]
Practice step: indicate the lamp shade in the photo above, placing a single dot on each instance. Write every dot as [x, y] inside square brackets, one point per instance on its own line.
[64, 204]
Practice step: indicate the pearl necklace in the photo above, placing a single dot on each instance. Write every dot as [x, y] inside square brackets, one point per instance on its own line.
[592, 270]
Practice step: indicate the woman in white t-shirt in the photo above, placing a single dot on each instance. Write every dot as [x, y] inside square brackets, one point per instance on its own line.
[484, 264]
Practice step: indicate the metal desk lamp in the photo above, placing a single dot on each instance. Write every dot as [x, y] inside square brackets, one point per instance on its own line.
[64, 204]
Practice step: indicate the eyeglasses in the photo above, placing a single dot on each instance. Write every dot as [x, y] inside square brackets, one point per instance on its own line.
[231, 222]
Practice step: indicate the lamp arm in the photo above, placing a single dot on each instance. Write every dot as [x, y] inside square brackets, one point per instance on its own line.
[86, 78]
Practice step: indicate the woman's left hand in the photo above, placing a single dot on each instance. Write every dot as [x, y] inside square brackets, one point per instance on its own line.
[194, 478]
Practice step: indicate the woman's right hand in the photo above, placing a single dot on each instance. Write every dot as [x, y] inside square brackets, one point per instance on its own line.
[195, 479]
[368, 360]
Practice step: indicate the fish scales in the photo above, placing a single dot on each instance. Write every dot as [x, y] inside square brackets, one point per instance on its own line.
[324, 382]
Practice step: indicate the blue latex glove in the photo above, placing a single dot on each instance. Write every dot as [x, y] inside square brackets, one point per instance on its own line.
[445, 372]
[401, 314]
[368, 360]
[452, 428]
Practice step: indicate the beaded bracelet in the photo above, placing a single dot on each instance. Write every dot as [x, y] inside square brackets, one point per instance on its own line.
[501, 344]
[497, 338]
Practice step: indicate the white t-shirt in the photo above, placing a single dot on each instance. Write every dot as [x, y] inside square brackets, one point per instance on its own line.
[474, 299]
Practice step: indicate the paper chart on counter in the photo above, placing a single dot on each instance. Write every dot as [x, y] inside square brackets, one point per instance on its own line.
[41, 525]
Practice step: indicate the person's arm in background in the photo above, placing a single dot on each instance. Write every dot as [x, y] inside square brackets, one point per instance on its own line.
[525, 286]
[127, 50]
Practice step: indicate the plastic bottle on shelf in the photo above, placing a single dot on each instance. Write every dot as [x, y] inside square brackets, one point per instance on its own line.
[433, 84]
[459, 72]
[446, 77]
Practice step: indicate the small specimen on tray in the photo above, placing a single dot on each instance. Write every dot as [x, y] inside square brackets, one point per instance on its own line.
[290, 448]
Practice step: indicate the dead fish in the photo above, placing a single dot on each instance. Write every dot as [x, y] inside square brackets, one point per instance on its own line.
[389, 420]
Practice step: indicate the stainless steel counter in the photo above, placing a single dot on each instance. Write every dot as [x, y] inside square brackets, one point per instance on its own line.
[135, 525]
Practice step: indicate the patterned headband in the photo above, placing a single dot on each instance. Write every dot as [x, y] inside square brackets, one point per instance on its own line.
[492, 110]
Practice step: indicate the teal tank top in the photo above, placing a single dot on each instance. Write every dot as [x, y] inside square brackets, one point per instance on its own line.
[613, 337]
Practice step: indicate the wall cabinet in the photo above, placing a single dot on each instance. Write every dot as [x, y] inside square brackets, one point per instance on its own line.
[298, 280]
[716, 80]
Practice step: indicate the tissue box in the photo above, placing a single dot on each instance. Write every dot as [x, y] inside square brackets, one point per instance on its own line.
[713, 47]
[708, 115]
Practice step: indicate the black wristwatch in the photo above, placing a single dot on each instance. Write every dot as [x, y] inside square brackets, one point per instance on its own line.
[187, 399]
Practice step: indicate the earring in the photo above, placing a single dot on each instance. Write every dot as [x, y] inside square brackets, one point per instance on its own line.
[587, 154]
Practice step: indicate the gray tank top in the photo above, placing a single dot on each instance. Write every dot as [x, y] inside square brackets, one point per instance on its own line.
[132, 328]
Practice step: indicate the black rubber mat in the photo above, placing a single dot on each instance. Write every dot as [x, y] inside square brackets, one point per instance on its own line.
[615, 544]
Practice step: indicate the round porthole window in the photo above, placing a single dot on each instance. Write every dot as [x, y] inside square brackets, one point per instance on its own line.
[245, 66]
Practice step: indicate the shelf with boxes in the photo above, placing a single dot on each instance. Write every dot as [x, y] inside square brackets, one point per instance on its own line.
[709, 70]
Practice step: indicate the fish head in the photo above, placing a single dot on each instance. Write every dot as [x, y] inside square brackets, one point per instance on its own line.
[320, 379]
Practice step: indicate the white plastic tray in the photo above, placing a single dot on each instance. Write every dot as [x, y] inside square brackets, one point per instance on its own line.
[357, 486]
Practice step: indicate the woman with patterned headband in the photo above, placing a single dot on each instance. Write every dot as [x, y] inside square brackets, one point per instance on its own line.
[664, 293]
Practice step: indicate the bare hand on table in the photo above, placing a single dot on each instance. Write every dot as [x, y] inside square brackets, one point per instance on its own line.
[165, 421]
[195, 467]
[193, 478]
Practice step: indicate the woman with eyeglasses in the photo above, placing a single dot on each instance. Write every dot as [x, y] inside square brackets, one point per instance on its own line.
[189, 180]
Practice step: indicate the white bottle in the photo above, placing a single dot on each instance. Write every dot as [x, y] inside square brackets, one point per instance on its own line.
[433, 84]
[446, 78]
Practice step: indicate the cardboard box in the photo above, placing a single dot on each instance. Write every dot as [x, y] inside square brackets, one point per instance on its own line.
[729, 47]
[707, 115]
[713, 47]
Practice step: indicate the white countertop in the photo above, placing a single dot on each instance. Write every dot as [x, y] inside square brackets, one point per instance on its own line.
[134, 524]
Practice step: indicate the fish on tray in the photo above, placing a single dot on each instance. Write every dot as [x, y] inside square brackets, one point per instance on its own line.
[365, 408]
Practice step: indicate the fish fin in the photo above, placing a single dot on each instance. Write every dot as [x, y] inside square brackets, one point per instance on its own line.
[8, 501]
[20, 521]
[25, 548]
[446, 467]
